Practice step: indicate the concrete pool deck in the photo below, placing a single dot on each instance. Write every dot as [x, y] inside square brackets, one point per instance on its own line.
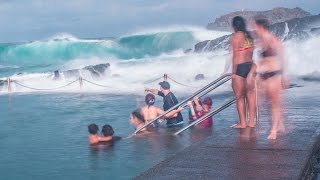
[247, 153]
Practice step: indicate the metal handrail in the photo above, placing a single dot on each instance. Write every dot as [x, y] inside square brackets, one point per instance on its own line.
[228, 76]
[227, 104]
[212, 88]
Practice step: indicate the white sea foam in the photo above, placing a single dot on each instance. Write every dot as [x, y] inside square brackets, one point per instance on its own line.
[130, 76]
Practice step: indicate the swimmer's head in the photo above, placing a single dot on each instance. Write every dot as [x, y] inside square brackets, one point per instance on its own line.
[207, 101]
[136, 116]
[150, 99]
[93, 129]
[107, 130]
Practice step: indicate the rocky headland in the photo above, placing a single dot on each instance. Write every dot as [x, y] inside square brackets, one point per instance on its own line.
[288, 24]
[276, 15]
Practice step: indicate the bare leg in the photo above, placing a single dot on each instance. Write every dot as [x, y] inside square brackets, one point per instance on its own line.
[251, 97]
[238, 86]
[274, 90]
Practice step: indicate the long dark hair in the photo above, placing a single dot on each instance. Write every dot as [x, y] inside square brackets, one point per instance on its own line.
[239, 24]
[138, 115]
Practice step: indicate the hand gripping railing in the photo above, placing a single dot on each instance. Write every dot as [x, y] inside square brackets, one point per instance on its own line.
[202, 91]
[213, 112]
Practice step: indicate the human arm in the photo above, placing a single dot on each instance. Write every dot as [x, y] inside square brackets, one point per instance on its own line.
[174, 112]
[193, 113]
[153, 91]
[104, 138]
[283, 62]
[197, 103]
[138, 102]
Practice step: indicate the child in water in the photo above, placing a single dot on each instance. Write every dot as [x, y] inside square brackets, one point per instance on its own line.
[107, 132]
[203, 110]
[93, 137]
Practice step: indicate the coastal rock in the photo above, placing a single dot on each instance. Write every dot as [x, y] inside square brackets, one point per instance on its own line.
[296, 29]
[3, 82]
[199, 77]
[275, 15]
[95, 71]
[212, 45]
[314, 76]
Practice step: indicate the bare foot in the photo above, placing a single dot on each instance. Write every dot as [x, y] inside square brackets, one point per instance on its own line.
[238, 126]
[272, 135]
[251, 125]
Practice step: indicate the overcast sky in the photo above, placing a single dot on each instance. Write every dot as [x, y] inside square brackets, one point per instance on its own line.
[24, 20]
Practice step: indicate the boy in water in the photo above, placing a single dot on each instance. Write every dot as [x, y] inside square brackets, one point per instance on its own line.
[93, 137]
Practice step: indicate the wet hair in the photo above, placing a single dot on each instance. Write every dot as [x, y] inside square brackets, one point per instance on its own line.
[150, 99]
[239, 24]
[93, 129]
[263, 22]
[138, 115]
[107, 130]
[207, 101]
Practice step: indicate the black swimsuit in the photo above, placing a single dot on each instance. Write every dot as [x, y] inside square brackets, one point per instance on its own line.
[243, 69]
[267, 75]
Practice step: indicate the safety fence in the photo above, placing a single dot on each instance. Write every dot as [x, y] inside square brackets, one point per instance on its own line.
[9, 82]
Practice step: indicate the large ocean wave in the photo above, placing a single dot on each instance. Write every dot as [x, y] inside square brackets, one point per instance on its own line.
[134, 60]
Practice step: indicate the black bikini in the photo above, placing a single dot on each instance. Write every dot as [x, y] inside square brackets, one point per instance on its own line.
[268, 53]
[243, 69]
[267, 75]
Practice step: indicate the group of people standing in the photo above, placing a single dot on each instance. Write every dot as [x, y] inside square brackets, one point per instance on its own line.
[270, 71]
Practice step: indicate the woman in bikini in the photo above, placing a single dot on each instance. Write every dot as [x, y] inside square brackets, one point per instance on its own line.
[243, 72]
[271, 72]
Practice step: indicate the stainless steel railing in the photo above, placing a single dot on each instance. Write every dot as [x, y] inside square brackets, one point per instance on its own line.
[211, 113]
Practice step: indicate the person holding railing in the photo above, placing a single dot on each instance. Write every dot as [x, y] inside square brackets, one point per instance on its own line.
[169, 100]
[201, 111]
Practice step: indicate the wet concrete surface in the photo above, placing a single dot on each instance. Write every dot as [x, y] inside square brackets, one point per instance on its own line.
[247, 153]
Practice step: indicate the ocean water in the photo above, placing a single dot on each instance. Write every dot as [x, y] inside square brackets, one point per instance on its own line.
[44, 133]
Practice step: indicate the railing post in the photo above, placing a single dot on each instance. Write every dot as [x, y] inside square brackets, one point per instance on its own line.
[9, 84]
[165, 77]
[80, 82]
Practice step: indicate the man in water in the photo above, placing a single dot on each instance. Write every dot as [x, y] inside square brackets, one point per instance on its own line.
[169, 100]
